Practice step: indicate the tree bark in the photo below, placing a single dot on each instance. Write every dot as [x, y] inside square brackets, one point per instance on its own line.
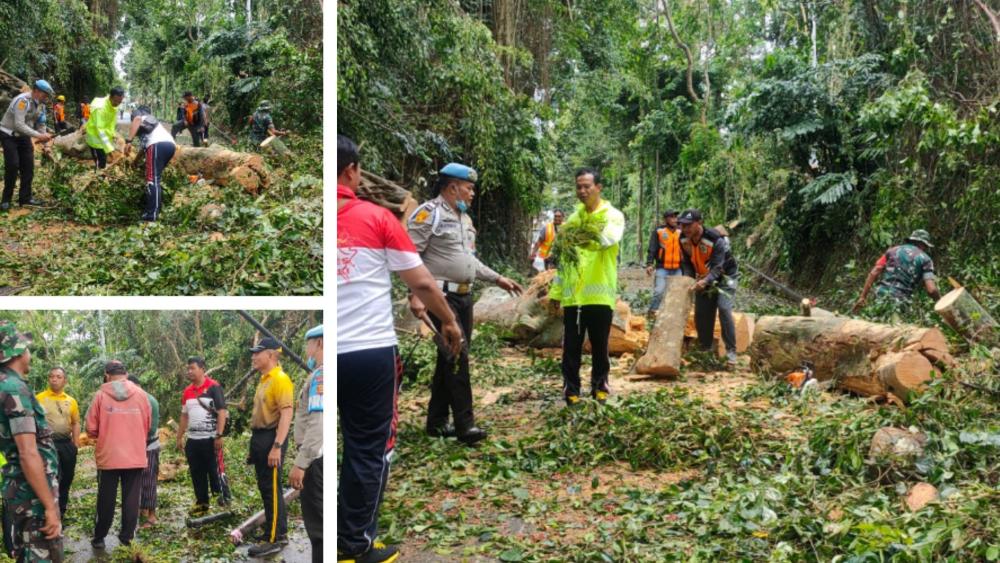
[687, 52]
[970, 319]
[904, 374]
[666, 342]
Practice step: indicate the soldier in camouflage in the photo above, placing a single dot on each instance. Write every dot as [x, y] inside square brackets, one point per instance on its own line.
[902, 269]
[30, 484]
[262, 124]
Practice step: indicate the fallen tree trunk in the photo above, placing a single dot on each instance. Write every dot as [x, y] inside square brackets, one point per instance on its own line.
[387, 194]
[534, 322]
[970, 319]
[666, 342]
[863, 357]
[10, 87]
[214, 164]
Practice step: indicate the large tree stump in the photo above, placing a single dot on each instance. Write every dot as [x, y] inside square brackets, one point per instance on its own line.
[970, 319]
[666, 342]
[852, 352]
[387, 194]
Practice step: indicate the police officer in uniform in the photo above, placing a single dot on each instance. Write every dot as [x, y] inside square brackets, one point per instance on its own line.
[30, 485]
[443, 234]
[17, 129]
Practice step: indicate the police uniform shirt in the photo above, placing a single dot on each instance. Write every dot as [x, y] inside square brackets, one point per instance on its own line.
[22, 111]
[446, 241]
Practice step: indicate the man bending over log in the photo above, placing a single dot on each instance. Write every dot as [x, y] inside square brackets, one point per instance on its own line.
[706, 257]
[902, 268]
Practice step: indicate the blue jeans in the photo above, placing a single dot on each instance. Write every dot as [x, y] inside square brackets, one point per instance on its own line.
[660, 286]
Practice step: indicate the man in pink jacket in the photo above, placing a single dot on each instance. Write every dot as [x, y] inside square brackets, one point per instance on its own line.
[119, 418]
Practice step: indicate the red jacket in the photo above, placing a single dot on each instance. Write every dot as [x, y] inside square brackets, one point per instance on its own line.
[119, 418]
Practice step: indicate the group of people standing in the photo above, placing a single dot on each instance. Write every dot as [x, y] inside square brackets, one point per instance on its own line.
[40, 437]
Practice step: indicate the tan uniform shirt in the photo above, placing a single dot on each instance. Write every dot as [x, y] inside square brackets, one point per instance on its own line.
[446, 241]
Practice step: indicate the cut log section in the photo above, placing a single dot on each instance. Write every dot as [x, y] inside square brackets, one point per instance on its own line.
[277, 146]
[534, 322]
[214, 164]
[867, 358]
[666, 342]
[970, 319]
[744, 324]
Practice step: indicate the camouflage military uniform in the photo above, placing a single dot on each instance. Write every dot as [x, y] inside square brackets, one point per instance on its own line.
[906, 268]
[20, 413]
[262, 121]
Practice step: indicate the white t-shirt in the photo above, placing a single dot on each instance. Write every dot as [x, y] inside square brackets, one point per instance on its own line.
[370, 243]
[159, 135]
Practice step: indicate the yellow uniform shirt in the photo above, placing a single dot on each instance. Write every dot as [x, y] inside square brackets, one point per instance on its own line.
[61, 412]
[274, 392]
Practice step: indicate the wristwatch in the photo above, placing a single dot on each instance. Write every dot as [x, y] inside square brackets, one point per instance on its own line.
[277, 445]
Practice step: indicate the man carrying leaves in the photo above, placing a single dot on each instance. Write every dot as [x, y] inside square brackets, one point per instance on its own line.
[586, 284]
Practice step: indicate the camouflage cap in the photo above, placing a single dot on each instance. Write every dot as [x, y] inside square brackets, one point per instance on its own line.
[920, 235]
[12, 342]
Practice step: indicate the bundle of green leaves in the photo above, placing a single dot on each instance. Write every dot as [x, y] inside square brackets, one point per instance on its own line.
[573, 236]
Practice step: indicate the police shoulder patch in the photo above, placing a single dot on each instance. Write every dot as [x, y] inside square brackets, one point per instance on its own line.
[21, 105]
[421, 216]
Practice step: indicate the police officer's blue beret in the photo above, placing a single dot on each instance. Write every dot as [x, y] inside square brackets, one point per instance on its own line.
[460, 171]
[44, 87]
[314, 332]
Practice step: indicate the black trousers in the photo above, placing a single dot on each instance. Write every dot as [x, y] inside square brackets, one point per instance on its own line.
[269, 483]
[18, 158]
[67, 469]
[100, 158]
[451, 388]
[578, 323]
[367, 389]
[197, 132]
[107, 494]
[157, 157]
[202, 463]
[312, 507]
[720, 298]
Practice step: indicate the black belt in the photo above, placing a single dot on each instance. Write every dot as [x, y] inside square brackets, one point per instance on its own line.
[62, 440]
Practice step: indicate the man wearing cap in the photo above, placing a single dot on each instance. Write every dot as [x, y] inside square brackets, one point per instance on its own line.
[262, 124]
[665, 253]
[63, 415]
[541, 250]
[588, 290]
[119, 418]
[706, 257]
[269, 424]
[101, 126]
[443, 234]
[371, 243]
[30, 484]
[17, 130]
[190, 116]
[902, 269]
[59, 114]
[307, 473]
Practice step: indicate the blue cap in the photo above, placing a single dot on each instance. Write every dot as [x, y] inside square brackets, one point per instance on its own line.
[460, 171]
[314, 332]
[44, 87]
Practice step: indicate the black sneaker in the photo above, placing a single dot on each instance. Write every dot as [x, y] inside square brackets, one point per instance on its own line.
[97, 544]
[31, 203]
[472, 436]
[264, 549]
[446, 431]
[5, 206]
[379, 553]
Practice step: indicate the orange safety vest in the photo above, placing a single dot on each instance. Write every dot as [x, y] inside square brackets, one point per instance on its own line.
[701, 253]
[86, 110]
[546, 245]
[670, 247]
[60, 112]
[189, 111]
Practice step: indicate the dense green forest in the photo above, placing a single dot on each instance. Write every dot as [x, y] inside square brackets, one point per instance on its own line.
[829, 130]
[210, 239]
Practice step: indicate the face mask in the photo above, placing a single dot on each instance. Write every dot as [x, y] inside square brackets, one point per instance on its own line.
[311, 363]
[462, 207]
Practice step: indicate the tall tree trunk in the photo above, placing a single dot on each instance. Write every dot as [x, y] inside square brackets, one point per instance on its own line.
[638, 209]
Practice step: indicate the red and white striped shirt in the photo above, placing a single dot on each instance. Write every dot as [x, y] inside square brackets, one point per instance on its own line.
[370, 243]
